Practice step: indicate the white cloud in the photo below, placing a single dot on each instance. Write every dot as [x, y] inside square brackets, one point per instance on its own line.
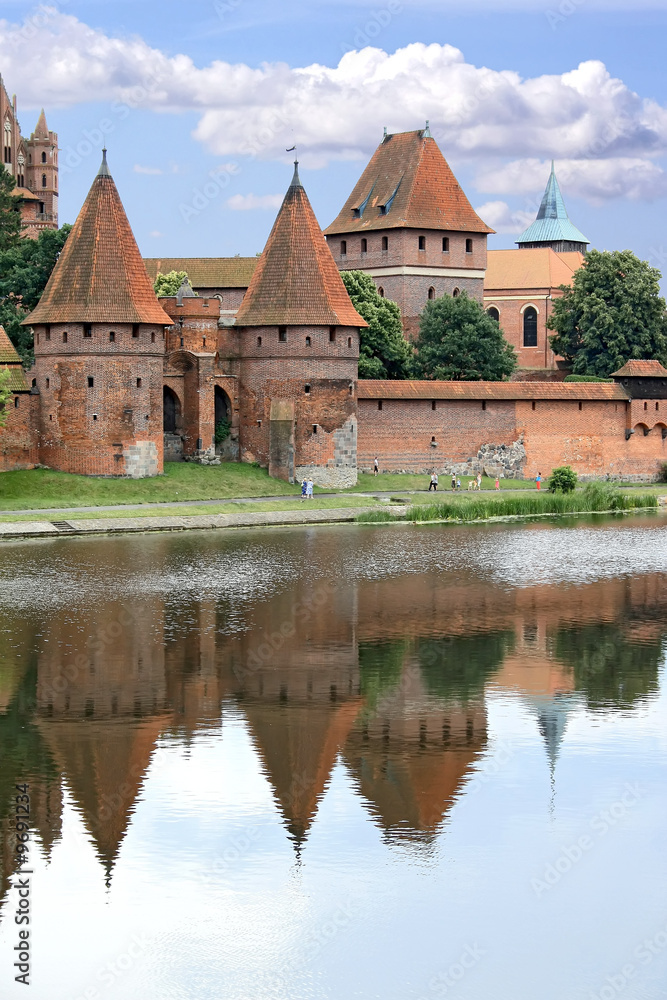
[480, 116]
[503, 219]
[595, 180]
[152, 171]
[248, 202]
[156, 234]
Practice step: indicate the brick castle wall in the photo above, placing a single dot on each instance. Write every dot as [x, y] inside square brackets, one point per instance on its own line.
[18, 438]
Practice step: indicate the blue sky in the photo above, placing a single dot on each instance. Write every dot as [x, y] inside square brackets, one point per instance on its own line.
[198, 102]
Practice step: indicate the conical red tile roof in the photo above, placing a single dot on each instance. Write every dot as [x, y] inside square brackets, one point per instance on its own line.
[296, 282]
[407, 184]
[41, 129]
[100, 276]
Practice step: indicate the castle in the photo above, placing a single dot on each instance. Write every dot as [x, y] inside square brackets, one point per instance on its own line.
[123, 381]
[33, 163]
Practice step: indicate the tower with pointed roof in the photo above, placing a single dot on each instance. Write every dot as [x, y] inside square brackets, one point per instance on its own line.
[298, 348]
[99, 348]
[409, 225]
[552, 227]
[33, 163]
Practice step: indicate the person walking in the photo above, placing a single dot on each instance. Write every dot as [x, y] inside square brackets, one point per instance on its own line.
[304, 489]
[458, 483]
[433, 485]
[538, 480]
[309, 489]
[479, 480]
[376, 466]
[453, 482]
[497, 483]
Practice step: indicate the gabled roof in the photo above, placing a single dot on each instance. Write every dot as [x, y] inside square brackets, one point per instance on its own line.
[552, 223]
[296, 281]
[408, 184]
[206, 272]
[8, 353]
[537, 267]
[641, 369]
[385, 389]
[100, 276]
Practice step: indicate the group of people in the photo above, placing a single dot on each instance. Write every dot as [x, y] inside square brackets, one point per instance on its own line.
[307, 489]
[475, 484]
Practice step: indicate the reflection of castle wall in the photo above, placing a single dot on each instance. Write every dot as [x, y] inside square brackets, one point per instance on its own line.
[411, 757]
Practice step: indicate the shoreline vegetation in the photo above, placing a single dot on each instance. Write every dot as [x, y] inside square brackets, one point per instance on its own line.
[594, 498]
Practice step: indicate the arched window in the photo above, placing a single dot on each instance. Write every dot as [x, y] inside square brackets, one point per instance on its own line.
[456, 293]
[43, 180]
[364, 245]
[431, 292]
[493, 313]
[530, 327]
[307, 341]
[468, 246]
[385, 243]
[43, 157]
[381, 292]
[171, 411]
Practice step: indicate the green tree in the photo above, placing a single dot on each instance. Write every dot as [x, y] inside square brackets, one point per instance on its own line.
[168, 284]
[563, 480]
[612, 312]
[458, 340]
[5, 395]
[10, 215]
[25, 269]
[383, 350]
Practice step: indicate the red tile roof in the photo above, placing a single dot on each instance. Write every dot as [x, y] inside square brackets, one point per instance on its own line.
[11, 362]
[426, 195]
[296, 281]
[100, 276]
[641, 369]
[206, 272]
[383, 389]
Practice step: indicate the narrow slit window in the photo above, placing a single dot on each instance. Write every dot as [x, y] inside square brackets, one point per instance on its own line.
[282, 334]
[422, 242]
[306, 388]
[112, 336]
[468, 246]
[431, 292]
[433, 404]
[332, 334]
[364, 246]
[445, 244]
[349, 344]
[308, 342]
[91, 382]
[259, 341]
[138, 383]
[65, 337]
[87, 330]
[343, 248]
[379, 404]
[385, 243]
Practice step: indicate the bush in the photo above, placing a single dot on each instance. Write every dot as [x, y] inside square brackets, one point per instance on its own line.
[586, 378]
[222, 431]
[563, 480]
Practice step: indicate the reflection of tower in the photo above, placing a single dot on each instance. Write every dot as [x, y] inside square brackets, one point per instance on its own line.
[412, 755]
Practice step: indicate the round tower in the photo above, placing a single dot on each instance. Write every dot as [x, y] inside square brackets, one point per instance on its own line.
[298, 347]
[99, 348]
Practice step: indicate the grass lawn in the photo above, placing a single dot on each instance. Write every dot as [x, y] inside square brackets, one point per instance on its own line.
[387, 482]
[38, 488]
[288, 503]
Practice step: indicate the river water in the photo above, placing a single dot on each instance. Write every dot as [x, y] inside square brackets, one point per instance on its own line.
[350, 762]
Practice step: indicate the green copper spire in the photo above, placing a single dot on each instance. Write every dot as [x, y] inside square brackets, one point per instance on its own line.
[552, 227]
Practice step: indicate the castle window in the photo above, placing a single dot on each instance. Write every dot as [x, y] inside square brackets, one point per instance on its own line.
[379, 404]
[431, 292]
[259, 341]
[203, 342]
[456, 293]
[138, 383]
[385, 243]
[351, 388]
[306, 388]
[94, 416]
[16, 402]
[182, 341]
[87, 330]
[47, 333]
[314, 428]
[343, 248]
[41, 208]
[50, 416]
[282, 334]
[65, 337]
[112, 336]
[483, 404]
[307, 341]
[332, 334]
[493, 313]
[646, 406]
[468, 246]
[34, 383]
[48, 382]
[422, 242]
[135, 330]
[349, 344]
[43, 180]
[433, 404]
[657, 406]
[37, 338]
[381, 292]
[445, 244]
[364, 245]
[153, 337]
[29, 157]
[530, 327]
[581, 406]
[533, 404]
[43, 157]
[91, 382]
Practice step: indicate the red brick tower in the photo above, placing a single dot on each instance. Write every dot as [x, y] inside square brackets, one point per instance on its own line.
[409, 225]
[99, 348]
[41, 174]
[298, 337]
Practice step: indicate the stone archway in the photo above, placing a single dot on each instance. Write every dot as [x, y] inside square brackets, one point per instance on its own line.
[172, 425]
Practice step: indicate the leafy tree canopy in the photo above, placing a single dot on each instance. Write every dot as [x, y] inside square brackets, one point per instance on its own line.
[458, 340]
[25, 269]
[10, 215]
[168, 284]
[384, 352]
[612, 312]
[5, 394]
